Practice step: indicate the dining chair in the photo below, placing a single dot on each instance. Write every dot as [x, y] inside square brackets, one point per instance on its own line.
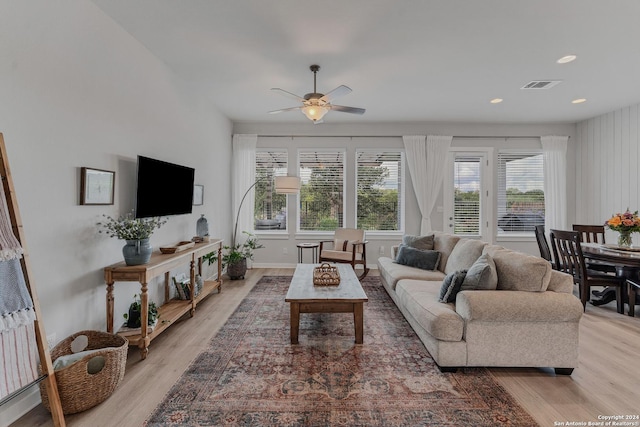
[594, 234]
[543, 245]
[633, 286]
[568, 257]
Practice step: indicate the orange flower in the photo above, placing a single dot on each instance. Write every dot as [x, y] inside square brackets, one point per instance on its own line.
[615, 221]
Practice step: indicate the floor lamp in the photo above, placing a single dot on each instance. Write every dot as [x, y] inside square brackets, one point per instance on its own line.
[284, 185]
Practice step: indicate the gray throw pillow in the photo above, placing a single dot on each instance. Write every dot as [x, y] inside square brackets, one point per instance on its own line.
[481, 275]
[426, 260]
[451, 285]
[419, 242]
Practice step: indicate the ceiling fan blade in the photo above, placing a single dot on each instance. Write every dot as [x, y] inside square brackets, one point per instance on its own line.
[288, 94]
[284, 109]
[342, 108]
[336, 93]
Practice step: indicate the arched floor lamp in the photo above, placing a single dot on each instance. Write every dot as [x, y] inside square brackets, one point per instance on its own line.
[283, 184]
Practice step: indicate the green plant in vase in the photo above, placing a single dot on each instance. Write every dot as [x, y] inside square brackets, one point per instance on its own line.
[136, 232]
[133, 317]
[234, 257]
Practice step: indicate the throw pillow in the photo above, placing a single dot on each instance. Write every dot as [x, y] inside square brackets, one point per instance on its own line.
[451, 286]
[425, 260]
[481, 275]
[419, 242]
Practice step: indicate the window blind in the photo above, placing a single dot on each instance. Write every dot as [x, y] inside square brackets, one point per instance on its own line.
[466, 204]
[380, 189]
[520, 191]
[270, 208]
[322, 190]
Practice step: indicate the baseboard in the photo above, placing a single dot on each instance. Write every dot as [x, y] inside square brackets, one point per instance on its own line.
[19, 406]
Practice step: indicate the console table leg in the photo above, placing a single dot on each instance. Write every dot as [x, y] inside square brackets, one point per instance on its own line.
[110, 307]
[295, 322]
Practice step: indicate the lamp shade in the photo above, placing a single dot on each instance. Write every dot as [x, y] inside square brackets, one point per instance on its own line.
[287, 184]
[314, 112]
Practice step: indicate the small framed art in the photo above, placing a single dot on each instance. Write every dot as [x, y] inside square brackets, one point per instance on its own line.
[198, 195]
[97, 186]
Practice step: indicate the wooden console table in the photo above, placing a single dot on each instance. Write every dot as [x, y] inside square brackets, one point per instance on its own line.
[172, 309]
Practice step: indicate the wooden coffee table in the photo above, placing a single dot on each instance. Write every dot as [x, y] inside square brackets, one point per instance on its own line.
[305, 297]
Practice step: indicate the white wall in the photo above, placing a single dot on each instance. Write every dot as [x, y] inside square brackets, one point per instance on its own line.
[607, 158]
[76, 90]
[273, 255]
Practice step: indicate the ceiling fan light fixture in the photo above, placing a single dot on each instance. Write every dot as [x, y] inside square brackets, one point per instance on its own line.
[314, 112]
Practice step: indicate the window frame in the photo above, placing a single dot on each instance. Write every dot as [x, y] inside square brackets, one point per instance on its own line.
[343, 153]
[513, 235]
[400, 183]
[278, 231]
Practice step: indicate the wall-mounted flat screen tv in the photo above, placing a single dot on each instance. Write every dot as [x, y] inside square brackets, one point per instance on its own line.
[163, 188]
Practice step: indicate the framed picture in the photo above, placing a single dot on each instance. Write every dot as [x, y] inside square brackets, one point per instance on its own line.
[96, 186]
[198, 195]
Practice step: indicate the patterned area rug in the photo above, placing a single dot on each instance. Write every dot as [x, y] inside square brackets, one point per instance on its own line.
[252, 376]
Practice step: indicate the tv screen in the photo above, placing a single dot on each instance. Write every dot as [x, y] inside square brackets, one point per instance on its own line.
[163, 188]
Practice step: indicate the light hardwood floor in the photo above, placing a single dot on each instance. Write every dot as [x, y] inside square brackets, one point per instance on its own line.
[605, 383]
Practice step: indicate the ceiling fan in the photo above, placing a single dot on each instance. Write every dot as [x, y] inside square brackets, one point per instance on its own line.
[315, 105]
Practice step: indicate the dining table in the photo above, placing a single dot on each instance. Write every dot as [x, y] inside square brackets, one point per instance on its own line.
[625, 260]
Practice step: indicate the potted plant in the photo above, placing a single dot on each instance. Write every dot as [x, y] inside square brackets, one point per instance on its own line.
[136, 232]
[234, 257]
[135, 313]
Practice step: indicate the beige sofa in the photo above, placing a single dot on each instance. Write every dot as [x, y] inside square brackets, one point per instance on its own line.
[530, 320]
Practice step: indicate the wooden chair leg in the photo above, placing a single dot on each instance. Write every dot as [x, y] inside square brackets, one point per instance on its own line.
[620, 299]
[632, 300]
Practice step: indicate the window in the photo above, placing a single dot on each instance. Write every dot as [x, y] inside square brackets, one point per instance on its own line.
[520, 191]
[322, 190]
[270, 210]
[379, 190]
[466, 198]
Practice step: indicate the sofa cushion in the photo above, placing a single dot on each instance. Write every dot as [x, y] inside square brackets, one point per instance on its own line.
[518, 271]
[420, 299]
[464, 254]
[451, 286]
[392, 272]
[418, 242]
[426, 260]
[444, 243]
[482, 275]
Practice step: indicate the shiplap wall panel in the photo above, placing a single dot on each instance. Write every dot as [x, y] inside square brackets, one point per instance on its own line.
[607, 159]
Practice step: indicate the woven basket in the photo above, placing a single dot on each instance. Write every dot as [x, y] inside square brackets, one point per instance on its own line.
[80, 390]
[326, 275]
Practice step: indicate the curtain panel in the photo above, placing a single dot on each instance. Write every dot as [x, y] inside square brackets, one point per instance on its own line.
[554, 154]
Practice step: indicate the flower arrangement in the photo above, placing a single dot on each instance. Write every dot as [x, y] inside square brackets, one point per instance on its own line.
[127, 227]
[624, 222]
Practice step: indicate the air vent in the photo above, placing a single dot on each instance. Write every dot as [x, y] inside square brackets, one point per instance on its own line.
[541, 84]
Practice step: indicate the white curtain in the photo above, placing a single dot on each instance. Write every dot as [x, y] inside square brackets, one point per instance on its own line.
[554, 155]
[243, 171]
[426, 160]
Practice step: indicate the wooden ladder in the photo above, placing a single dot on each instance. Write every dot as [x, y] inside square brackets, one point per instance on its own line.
[41, 336]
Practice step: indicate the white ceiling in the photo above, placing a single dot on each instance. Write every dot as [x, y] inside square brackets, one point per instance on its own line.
[406, 60]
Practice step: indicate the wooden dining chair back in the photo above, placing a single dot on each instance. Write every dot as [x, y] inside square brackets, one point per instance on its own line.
[568, 257]
[594, 234]
[543, 245]
[590, 233]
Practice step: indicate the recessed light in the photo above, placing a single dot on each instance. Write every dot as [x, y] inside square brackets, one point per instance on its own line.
[578, 101]
[496, 100]
[566, 59]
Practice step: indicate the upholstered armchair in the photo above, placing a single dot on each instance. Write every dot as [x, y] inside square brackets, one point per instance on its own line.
[348, 246]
